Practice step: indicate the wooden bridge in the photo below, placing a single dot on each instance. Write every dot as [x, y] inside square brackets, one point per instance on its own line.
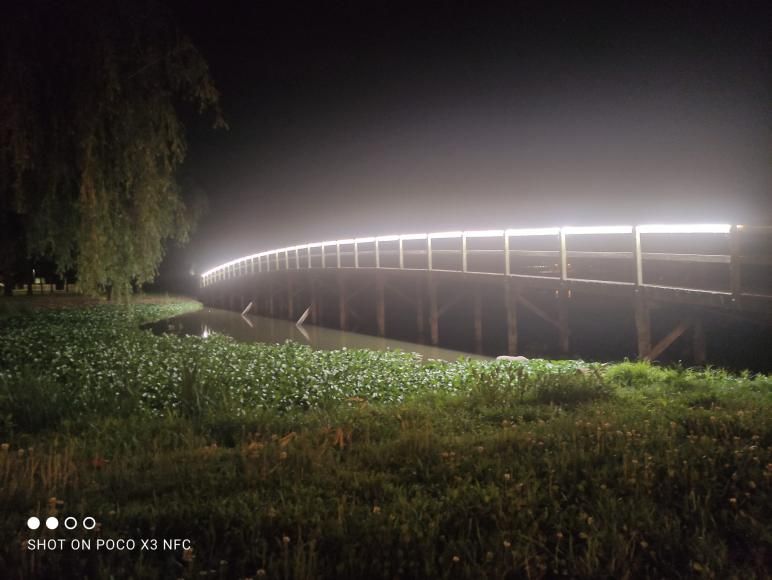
[374, 284]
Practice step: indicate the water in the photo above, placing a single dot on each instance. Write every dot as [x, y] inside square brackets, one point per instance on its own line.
[271, 330]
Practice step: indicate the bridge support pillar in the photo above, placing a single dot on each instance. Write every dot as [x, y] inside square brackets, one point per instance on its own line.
[478, 327]
[642, 325]
[434, 315]
[290, 299]
[699, 342]
[380, 304]
[419, 310]
[314, 301]
[342, 299]
[563, 330]
[271, 310]
[511, 305]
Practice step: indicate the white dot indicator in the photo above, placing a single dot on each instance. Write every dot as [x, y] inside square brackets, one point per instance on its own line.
[89, 523]
[70, 523]
[33, 523]
[52, 523]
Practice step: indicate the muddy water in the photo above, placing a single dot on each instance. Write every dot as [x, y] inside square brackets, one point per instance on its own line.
[271, 330]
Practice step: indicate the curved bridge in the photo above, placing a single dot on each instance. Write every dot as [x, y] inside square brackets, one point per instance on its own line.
[551, 283]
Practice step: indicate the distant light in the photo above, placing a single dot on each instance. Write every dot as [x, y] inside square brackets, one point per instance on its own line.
[364, 240]
[533, 232]
[441, 235]
[315, 245]
[484, 233]
[685, 229]
[348, 241]
[598, 230]
[386, 238]
[413, 237]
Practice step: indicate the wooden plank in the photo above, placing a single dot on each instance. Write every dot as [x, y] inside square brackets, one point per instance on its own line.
[695, 258]
[538, 311]
[451, 303]
[668, 340]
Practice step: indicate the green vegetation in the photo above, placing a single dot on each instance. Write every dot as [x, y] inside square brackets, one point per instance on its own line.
[283, 462]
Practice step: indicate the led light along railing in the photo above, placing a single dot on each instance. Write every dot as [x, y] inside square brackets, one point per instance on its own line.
[272, 260]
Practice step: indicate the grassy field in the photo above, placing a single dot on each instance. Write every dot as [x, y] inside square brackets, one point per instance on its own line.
[277, 461]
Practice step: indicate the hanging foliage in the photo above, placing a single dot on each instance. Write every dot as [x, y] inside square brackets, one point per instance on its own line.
[91, 135]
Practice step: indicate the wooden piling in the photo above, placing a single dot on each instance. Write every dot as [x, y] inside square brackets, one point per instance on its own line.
[642, 325]
[380, 304]
[510, 296]
[563, 329]
[699, 343]
[434, 318]
[478, 329]
[342, 312]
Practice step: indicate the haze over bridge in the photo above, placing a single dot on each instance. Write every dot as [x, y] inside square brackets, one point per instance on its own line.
[484, 283]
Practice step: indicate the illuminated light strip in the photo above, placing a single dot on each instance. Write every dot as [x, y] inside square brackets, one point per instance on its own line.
[484, 233]
[568, 230]
[444, 235]
[533, 232]
[685, 229]
[597, 230]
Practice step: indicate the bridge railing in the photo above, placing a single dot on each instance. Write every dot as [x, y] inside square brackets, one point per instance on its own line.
[557, 252]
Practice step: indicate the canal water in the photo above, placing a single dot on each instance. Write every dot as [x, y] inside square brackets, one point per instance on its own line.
[271, 330]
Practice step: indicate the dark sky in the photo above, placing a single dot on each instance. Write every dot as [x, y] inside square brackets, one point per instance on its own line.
[361, 118]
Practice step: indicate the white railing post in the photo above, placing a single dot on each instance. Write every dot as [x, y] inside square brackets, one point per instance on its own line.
[563, 257]
[429, 251]
[337, 253]
[356, 254]
[401, 255]
[377, 254]
[507, 267]
[638, 256]
[324, 257]
[463, 252]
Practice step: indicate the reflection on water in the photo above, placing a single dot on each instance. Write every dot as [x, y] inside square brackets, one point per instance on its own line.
[271, 330]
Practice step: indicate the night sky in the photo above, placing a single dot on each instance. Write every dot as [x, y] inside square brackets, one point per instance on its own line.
[362, 118]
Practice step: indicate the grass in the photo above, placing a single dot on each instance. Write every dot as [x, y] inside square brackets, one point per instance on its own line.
[282, 462]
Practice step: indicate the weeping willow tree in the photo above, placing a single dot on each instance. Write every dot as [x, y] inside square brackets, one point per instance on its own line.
[91, 99]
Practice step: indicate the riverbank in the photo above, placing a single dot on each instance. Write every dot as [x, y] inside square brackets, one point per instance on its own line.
[282, 461]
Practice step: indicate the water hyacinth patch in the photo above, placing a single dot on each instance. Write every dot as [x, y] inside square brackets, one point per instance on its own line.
[281, 461]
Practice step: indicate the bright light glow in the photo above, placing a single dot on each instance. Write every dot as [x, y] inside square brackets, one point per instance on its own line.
[644, 229]
[533, 232]
[440, 235]
[598, 230]
[685, 229]
[484, 233]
